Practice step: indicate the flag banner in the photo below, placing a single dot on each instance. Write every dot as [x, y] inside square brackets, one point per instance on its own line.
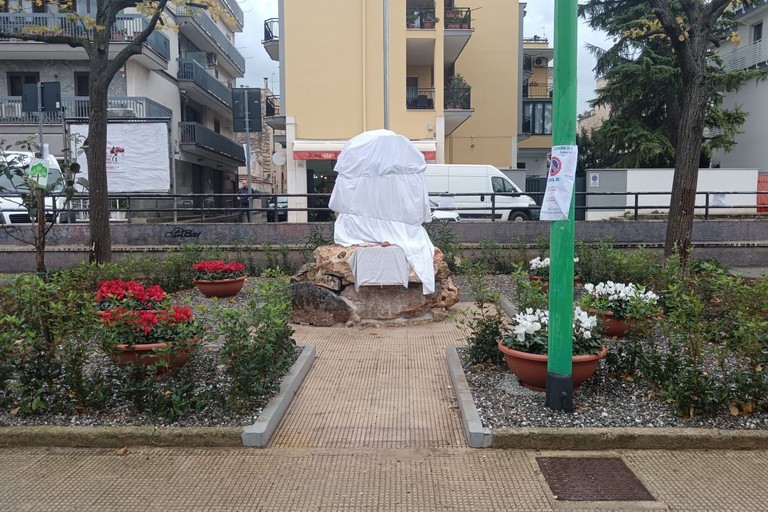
[560, 180]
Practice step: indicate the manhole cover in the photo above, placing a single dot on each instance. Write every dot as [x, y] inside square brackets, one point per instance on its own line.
[592, 479]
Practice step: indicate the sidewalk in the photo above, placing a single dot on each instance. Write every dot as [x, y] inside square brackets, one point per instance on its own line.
[374, 426]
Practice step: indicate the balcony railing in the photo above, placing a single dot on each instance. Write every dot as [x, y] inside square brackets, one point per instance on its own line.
[236, 11]
[271, 29]
[535, 90]
[197, 134]
[126, 25]
[458, 17]
[209, 26]
[748, 56]
[458, 98]
[76, 107]
[419, 98]
[190, 69]
[418, 17]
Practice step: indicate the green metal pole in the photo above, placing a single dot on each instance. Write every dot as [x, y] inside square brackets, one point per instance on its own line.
[559, 378]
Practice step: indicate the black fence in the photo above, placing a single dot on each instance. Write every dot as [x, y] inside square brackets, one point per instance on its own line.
[144, 207]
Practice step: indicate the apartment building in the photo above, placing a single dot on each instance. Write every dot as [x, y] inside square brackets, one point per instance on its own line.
[452, 82]
[750, 53]
[535, 139]
[171, 105]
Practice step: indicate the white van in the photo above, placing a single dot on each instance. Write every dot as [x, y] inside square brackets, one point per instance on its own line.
[483, 184]
[12, 209]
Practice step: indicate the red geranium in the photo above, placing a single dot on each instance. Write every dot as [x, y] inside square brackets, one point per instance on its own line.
[175, 324]
[213, 270]
[129, 295]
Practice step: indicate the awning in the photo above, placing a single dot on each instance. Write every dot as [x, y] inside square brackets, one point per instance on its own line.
[330, 149]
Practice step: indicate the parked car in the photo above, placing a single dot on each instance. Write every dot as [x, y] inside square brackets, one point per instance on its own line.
[279, 205]
[443, 215]
[13, 189]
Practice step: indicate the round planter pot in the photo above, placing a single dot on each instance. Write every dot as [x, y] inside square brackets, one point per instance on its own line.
[613, 327]
[531, 369]
[221, 288]
[147, 354]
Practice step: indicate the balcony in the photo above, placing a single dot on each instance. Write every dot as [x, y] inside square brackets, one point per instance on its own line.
[272, 115]
[457, 107]
[536, 90]
[206, 144]
[155, 54]
[271, 40]
[235, 21]
[76, 107]
[202, 87]
[458, 29]
[202, 31]
[753, 55]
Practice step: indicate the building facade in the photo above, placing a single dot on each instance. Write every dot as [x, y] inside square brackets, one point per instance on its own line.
[182, 79]
[451, 85]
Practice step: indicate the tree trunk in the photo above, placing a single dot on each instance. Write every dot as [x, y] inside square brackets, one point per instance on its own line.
[101, 239]
[689, 141]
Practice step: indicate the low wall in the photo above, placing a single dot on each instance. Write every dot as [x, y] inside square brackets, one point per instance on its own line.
[735, 242]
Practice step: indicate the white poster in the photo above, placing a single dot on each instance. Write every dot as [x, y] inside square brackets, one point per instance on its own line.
[562, 175]
[136, 155]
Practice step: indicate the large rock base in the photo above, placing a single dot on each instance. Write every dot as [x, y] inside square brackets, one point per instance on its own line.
[324, 294]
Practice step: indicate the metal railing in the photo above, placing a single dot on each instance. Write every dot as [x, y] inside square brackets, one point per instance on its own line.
[207, 25]
[124, 28]
[419, 98]
[271, 29]
[535, 90]
[458, 17]
[225, 207]
[420, 17]
[76, 107]
[272, 105]
[197, 134]
[235, 11]
[190, 69]
[458, 97]
[747, 56]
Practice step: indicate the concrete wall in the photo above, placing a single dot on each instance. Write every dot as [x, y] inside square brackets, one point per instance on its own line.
[736, 243]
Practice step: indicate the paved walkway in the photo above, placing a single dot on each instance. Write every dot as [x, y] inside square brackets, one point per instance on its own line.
[374, 427]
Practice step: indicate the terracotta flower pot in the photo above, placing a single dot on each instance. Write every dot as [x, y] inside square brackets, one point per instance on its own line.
[613, 327]
[531, 369]
[221, 288]
[144, 354]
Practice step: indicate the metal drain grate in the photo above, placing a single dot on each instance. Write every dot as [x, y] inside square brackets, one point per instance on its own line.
[592, 479]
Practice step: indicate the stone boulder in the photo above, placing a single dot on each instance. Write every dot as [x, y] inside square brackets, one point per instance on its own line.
[324, 293]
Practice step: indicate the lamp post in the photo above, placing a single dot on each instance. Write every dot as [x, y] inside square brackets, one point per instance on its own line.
[559, 363]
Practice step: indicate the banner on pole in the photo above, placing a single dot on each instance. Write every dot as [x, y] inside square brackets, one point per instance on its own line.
[560, 179]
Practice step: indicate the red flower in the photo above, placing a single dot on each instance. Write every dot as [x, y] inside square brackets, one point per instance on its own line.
[213, 270]
[130, 294]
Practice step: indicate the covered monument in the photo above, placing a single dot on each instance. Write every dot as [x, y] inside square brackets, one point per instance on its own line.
[383, 267]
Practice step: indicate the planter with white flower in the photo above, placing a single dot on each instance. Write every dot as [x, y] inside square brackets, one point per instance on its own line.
[216, 278]
[620, 306]
[525, 347]
[538, 271]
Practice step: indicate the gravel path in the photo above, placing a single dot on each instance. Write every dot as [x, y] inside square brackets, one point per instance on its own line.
[602, 401]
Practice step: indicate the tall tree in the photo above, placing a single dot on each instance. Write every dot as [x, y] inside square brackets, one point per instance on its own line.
[668, 82]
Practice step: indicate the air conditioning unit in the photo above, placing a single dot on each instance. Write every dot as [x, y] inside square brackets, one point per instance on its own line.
[210, 59]
[540, 62]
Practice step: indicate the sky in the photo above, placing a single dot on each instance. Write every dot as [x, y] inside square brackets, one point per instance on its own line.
[539, 20]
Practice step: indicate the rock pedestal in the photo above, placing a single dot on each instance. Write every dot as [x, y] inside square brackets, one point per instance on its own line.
[324, 294]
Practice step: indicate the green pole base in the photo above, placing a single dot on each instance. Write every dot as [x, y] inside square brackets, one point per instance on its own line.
[560, 392]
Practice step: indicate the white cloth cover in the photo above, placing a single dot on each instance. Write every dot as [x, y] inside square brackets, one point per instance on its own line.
[380, 195]
[379, 265]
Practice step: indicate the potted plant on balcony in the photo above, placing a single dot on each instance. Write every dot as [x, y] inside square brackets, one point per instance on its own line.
[428, 17]
[466, 19]
[410, 18]
[525, 348]
[216, 278]
[457, 92]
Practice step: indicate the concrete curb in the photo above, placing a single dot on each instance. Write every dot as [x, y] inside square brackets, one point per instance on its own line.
[258, 434]
[628, 439]
[477, 435]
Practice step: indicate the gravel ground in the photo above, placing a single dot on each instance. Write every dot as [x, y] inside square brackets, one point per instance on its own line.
[206, 365]
[602, 401]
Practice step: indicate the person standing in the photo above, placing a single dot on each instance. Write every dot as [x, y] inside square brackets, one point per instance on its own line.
[244, 199]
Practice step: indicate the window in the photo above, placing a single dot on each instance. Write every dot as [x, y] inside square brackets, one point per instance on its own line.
[216, 125]
[757, 32]
[537, 117]
[16, 81]
[42, 6]
[81, 83]
[501, 185]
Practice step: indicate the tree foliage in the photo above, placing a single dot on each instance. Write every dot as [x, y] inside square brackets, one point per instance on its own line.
[665, 90]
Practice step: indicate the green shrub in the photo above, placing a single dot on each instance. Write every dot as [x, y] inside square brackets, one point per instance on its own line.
[484, 326]
[443, 237]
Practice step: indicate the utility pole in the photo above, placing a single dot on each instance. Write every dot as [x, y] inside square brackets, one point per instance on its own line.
[386, 64]
[559, 388]
[248, 149]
